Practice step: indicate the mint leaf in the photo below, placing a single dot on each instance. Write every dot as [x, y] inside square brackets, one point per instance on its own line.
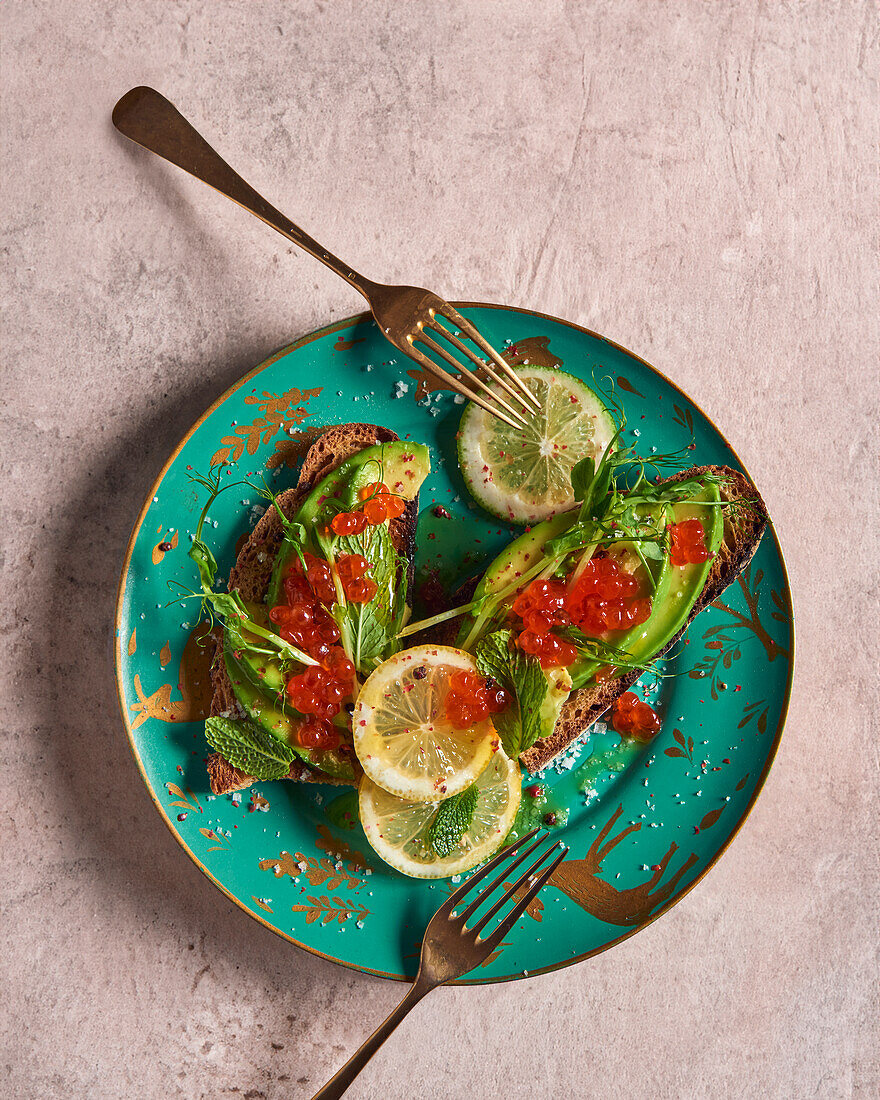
[370, 628]
[249, 747]
[493, 656]
[530, 685]
[452, 821]
[520, 726]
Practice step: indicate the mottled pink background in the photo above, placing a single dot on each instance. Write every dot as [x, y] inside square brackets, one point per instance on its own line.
[697, 181]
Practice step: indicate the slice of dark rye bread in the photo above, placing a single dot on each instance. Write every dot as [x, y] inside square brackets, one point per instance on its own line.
[743, 528]
[252, 572]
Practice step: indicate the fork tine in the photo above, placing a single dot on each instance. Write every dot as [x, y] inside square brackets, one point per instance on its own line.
[465, 350]
[499, 878]
[431, 343]
[466, 887]
[513, 916]
[508, 894]
[455, 384]
[474, 334]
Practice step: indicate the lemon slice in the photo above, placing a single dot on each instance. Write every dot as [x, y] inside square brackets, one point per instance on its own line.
[523, 475]
[401, 735]
[398, 829]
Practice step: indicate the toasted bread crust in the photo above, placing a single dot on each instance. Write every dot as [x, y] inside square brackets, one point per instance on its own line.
[252, 572]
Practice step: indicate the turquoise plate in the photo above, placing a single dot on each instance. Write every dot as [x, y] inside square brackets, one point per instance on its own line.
[646, 822]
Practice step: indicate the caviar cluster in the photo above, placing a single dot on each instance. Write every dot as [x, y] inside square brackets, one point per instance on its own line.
[633, 718]
[542, 606]
[687, 543]
[357, 586]
[303, 619]
[470, 698]
[319, 691]
[604, 597]
[379, 504]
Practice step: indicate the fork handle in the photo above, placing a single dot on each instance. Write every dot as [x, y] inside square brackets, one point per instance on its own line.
[149, 119]
[338, 1084]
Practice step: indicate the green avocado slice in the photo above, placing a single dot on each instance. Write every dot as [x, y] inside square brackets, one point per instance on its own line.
[272, 716]
[401, 465]
[264, 673]
[676, 589]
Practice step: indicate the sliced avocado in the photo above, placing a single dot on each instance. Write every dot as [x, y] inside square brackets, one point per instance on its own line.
[266, 711]
[264, 672]
[515, 560]
[401, 465]
[685, 582]
[522, 554]
[675, 591]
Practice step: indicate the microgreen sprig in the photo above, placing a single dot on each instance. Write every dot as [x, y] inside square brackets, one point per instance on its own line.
[229, 605]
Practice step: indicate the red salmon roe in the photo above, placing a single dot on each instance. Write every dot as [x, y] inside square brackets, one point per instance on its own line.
[633, 718]
[551, 650]
[379, 492]
[321, 690]
[349, 523]
[379, 505]
[352, 570]
[372, 489]
[395, 506]
[318, 576]
[318, 733]
[605, 597]
[687, 543]
[541, 606]
[361, 591]
[471, 698]
[375, 511]
[301, 619]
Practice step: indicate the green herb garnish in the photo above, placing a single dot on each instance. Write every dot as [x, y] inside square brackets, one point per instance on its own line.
[520, 725]
[249, 747]
[229, 605]
[452, 821]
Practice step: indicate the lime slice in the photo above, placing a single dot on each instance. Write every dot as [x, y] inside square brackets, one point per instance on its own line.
[523, 475]
[398, 829]
[401, 735]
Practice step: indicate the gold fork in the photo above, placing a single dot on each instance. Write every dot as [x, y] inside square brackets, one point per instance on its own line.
[451, 948]
[407, 315]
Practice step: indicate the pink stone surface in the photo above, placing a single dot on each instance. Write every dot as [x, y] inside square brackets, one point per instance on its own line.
[696, 181]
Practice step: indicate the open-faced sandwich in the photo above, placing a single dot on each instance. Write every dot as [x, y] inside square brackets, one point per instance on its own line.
[316, 677]
[316, 599]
